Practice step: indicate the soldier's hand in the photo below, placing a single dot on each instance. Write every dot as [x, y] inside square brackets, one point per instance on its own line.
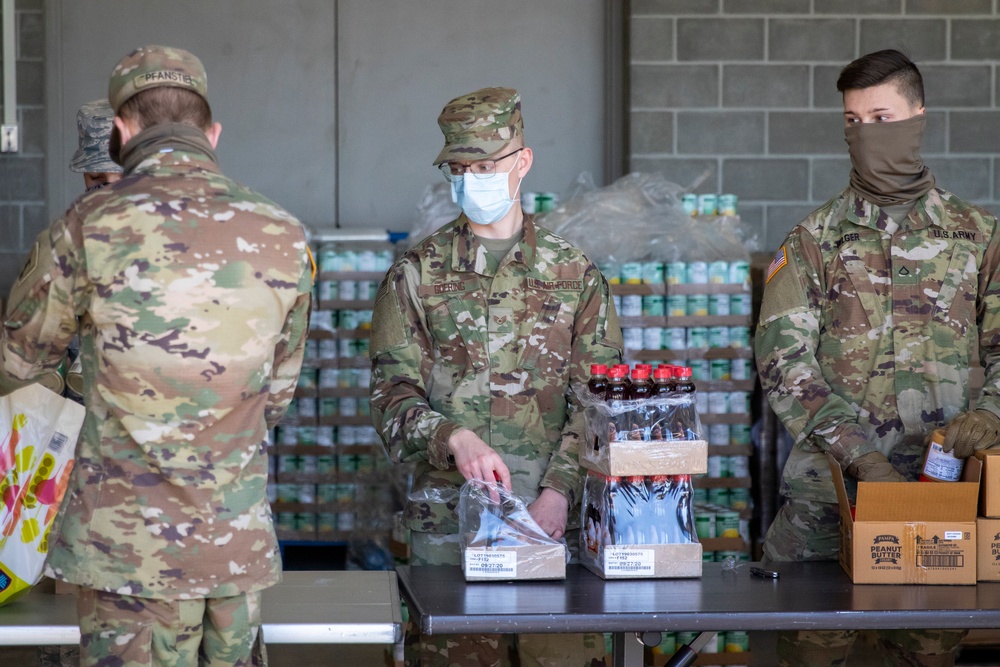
[874, 467]
[549, 510]
[971, 431]
[477, 460]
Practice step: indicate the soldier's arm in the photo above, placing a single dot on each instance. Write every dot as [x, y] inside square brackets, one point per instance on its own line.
[988, 319]
[40, 318]
[402, 358]
[597, 339]
[786, 342]
[290, 351]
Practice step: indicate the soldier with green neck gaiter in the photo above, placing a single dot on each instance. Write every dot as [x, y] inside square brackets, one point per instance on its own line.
[873, 310]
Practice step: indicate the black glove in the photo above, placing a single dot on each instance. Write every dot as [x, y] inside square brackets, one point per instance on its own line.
[972, 431]
[874, 467]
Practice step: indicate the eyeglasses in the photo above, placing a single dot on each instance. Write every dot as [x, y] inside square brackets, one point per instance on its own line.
[480, 168]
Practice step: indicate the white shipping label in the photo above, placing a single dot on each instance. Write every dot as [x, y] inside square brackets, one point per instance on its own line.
[952, 534]
[495, 564]
[629, 561]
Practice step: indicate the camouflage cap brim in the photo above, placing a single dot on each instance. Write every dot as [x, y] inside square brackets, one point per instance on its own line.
[471, 151]
[480, 125]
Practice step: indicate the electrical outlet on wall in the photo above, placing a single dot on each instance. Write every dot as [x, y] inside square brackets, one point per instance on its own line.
[8, 138]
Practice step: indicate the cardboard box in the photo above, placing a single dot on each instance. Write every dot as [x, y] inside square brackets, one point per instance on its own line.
[646, 457]
[989, 486]
[910, 533]
[650, 541]
[645, 561]
[988, 552]
[504, 563]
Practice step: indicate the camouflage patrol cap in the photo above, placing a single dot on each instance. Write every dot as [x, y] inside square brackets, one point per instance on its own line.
[480, 125]
[94, 122]
[152, 67]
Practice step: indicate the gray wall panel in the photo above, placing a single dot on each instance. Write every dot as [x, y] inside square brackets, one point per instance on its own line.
[271, 76]
[401, 61]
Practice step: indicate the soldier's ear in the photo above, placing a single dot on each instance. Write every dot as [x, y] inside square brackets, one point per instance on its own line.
[123, 130]
[212, 133]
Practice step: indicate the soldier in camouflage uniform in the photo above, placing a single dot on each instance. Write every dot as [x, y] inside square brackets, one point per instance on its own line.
[192, 294]
[873, 309]
[477, 336]
[94, 121]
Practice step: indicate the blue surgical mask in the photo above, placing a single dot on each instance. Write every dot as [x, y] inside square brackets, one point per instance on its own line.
[483, 200]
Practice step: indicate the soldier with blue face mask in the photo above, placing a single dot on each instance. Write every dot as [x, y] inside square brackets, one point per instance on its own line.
[478, 334]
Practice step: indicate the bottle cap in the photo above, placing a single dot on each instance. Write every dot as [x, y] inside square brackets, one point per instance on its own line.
[598, 369]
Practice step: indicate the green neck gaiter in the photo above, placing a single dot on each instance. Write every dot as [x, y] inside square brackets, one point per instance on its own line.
[887, 167]
[178, 136]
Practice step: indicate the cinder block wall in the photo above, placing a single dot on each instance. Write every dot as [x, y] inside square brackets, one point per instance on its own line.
[745, 90]
[22, 175]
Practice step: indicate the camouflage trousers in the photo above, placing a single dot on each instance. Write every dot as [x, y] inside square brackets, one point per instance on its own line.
[805, 530]
[526, 650]
[127, 631]
[58, 656]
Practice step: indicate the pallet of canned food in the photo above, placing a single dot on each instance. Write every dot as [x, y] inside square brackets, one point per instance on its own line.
[327, 460]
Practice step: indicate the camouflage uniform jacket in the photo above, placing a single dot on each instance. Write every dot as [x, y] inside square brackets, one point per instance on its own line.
[868, 330]
[456, 345]
[192, 294]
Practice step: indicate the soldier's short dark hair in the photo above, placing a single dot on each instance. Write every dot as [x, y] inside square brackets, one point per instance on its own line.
[888, 66]
[167, 105]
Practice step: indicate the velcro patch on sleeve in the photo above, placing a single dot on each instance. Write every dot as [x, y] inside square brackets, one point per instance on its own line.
[779, 262]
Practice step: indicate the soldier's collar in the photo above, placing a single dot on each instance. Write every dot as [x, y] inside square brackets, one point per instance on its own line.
[866, 214]
[466, 247]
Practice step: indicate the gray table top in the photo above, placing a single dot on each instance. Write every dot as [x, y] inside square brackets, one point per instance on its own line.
[807, 596]
[316, 607]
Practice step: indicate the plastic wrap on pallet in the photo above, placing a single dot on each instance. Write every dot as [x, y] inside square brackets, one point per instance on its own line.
[649, 207]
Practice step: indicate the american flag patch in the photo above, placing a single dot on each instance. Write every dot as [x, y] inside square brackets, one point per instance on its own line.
[780, 259]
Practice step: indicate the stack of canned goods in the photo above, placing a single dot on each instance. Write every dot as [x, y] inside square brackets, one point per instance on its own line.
[714, 521]
[733, 499]
[695, 272]
[336, 257]
[728, 466]
[539, 202]
[731, 641]
[693, 338]
[709, 204]
[325, 435]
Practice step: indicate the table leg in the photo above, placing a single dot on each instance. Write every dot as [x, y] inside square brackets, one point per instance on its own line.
[685, 655]
[626, 650]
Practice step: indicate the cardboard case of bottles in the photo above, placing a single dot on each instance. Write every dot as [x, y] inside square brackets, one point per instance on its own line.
[656, 436]
[909, 533]
[639, 527]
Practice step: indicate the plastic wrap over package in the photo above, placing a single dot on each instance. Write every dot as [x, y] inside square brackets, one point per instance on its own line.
[500, 540]
[639, 526]
[652, 436]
